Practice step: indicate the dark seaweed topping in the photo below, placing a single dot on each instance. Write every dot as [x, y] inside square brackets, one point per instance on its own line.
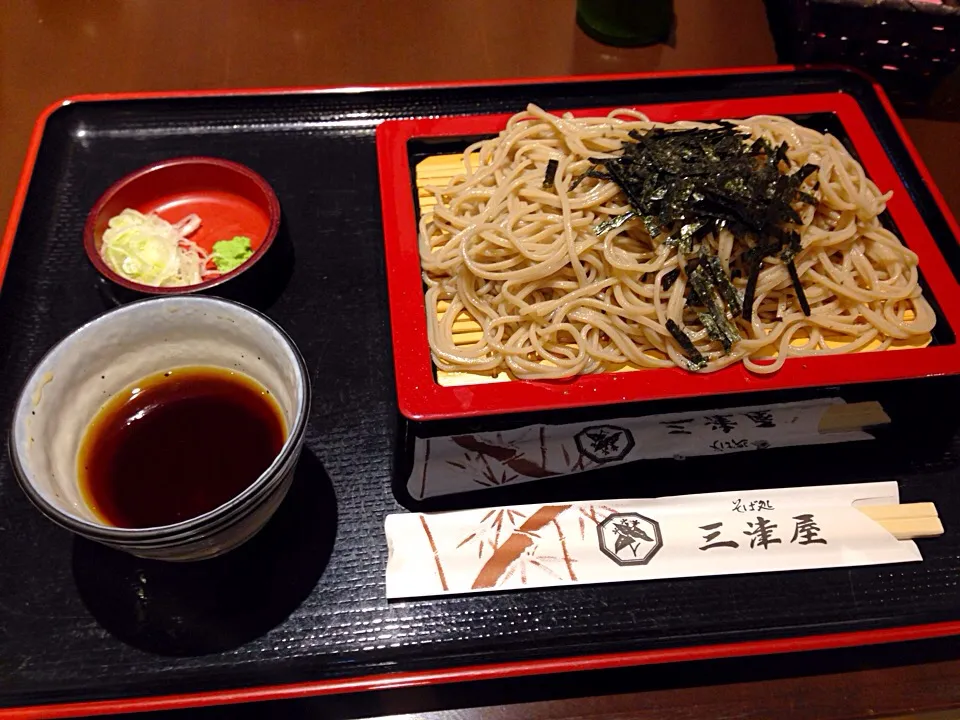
[801, 295]
[693, 300]
[550, 175]
[669, 278]
[692, 182]
[593, 172]
[612, 223]
[714, 319]
[751, 290]
[787, 255]
[720, 280]
[683, 340]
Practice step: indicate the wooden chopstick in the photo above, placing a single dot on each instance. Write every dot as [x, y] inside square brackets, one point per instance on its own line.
[852, 416]
[898, 512]
[910, 528]
[906, 521]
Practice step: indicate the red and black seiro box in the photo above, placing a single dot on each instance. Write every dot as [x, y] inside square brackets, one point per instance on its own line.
[903, 382]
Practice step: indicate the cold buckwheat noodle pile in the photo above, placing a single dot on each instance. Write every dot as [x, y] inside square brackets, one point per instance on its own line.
[569, 257]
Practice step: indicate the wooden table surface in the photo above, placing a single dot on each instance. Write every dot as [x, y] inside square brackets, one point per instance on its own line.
[54, 48]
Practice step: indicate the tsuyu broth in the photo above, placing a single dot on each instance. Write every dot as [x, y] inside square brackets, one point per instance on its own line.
[176, 445]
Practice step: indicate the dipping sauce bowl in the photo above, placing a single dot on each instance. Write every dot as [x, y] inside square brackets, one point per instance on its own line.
[80, 374]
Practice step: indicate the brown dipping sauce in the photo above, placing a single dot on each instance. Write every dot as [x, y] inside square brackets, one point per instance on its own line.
[176, 445]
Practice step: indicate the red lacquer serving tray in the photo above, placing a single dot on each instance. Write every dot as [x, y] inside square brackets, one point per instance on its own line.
[421, 398]
[60, 658]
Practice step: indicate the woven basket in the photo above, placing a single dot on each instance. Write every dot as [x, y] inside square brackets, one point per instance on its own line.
[910, 46]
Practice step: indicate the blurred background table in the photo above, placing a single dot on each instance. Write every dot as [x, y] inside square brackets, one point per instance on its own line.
[54, 48]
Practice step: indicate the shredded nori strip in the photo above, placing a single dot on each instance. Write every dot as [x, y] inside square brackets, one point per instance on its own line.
[714, 330]
[720, 280]
[697, 361]
[788, 256]
[686, 235]
[714, 320]
[612, 223]
[695, 181]
[550, 175]
[693, 300]
[669, 278]
[719, 329]
[750, 291]
[592, 172]
[801, 295]
[652, 226]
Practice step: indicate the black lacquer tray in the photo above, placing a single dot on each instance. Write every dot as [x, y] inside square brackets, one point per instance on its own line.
[301, 609]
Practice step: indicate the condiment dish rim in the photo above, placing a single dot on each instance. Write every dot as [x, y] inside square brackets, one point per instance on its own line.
[90, 244]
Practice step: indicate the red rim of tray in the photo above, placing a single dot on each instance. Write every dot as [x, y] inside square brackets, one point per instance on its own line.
[421, 398]
[475, 673]
[269, 198]
[489, 671]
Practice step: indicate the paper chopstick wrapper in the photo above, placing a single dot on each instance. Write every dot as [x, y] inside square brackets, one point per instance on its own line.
[465, 463]
[606, 541]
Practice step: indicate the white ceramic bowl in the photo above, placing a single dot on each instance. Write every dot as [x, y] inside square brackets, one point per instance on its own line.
[85, 369]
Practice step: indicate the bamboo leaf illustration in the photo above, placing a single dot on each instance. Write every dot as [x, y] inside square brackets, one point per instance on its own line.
[622, 542]
[507, 556]
[545, 568]
[639, 533]
[466, 540]
[510, 457]
[527, 467]
[471, 442]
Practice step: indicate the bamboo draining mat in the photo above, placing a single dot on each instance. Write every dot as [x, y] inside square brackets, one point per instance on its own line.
[438, 170]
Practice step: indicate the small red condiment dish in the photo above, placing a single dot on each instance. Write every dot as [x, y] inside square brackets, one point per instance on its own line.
[230, 198]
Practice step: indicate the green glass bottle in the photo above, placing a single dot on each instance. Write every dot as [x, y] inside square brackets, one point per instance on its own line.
[626, 23]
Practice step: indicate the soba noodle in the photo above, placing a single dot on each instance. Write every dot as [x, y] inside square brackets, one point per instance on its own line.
[554, 300]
